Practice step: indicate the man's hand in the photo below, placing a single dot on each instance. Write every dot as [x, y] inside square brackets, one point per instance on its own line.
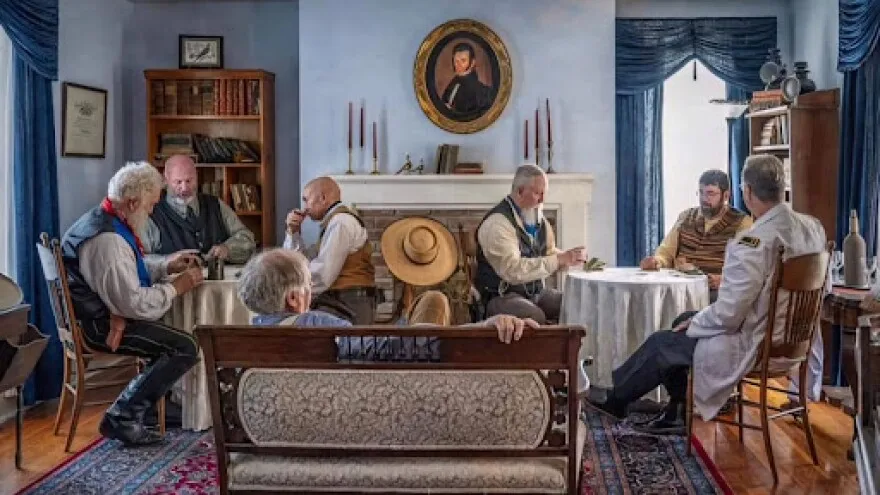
[220, 251]
[682, 326]
[649, 263]
[180, 261]
[117, 330]
[188, 280]
[572, 257]
[510, 328]
[714, 281]
[294, 221]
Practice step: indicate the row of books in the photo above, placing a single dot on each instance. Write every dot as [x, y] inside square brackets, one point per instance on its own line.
[775, 131]
[206, 97]
[208, 149]
[245, 197]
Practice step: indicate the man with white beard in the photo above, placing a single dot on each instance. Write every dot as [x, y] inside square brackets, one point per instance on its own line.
[516, 251]
[118, 297]
[188, 219]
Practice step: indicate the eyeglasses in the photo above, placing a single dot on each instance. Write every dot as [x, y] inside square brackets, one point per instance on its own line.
[708, 194]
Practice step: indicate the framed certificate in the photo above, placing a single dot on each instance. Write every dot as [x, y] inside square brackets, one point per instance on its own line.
[83, 121]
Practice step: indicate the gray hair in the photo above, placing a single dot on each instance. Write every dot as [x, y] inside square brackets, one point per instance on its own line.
[524, 176]
[133, 181]
[765, 174]
[270, 276]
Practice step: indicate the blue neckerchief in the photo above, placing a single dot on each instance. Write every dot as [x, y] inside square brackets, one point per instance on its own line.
[532, 230]
[128, 235]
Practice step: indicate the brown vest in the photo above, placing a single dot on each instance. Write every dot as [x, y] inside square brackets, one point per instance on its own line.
[706, 249]
[357, 271]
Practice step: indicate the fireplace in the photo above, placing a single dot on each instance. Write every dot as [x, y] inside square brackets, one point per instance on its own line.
[458, 199]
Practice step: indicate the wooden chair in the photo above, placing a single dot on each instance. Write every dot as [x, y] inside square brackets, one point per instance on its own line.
[804, 279]
[83, 367]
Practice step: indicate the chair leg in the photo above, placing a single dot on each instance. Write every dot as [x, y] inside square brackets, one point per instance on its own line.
[765, 429]
[808, 429]
[62, 401]
[689, 411]
[160, 406]
[78, 399]
[739, 410]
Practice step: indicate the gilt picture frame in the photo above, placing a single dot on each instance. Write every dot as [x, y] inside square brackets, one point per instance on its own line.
[83, 121]
[200, 52]
[462, 76]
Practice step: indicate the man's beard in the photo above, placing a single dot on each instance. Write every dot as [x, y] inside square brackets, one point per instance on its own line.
[531, 215]
[181, 201]
[710, 212]
[138, 220]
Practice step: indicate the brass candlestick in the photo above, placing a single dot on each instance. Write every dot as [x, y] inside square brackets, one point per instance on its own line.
[350, 171]
[550, 158]
[375, 166]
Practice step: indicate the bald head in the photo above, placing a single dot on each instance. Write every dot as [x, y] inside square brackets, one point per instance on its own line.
[182, 178]
[319, 195]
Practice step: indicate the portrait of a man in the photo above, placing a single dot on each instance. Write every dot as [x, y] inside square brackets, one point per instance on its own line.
[462, 76]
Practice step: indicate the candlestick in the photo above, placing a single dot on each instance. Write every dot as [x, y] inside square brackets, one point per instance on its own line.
[375, 148]
[375, 166]
[526, 140]
[550, 158]
[537, 139]
[549, 131]
[349, 171]
[349, 125]
[362, 125]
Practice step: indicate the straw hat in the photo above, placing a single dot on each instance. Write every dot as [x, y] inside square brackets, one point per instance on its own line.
[419, 251]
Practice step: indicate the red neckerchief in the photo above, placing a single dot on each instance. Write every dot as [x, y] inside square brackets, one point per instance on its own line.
[107, 206]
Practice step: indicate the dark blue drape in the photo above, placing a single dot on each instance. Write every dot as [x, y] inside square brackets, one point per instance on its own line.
[649, 51]
[737, 145]
[32, 26]
[859, 59]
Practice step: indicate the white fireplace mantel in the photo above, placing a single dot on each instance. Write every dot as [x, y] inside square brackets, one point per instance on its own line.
[569, 195]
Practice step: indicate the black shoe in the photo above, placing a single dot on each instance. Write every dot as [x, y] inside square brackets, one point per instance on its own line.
[128, 432]
[603, 401]
[173, 415]
[670, 422]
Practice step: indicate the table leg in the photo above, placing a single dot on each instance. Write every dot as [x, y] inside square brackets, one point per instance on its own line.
[848, 368]
[19, 405]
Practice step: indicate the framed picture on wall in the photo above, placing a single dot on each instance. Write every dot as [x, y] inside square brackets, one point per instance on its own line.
[83, 121]
[201, 52]
[462, 76]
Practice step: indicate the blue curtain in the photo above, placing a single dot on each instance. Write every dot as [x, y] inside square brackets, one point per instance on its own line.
[649, 51]
[859, 60]
[737, 145]
[32, 26]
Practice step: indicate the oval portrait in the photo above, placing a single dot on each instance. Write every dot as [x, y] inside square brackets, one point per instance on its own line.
[462, 76]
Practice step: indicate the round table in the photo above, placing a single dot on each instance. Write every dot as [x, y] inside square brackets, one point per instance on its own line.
[621, 307]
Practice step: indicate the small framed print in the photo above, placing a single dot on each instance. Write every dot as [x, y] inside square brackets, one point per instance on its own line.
[83, 121]
[201, 52]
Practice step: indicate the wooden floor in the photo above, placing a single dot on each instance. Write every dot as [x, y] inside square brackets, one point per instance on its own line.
[744, 467]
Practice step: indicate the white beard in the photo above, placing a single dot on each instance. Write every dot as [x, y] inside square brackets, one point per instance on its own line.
[182, 201]
[531, 215]
[138, 221]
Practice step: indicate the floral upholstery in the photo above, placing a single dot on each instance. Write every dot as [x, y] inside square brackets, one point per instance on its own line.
[396, 409]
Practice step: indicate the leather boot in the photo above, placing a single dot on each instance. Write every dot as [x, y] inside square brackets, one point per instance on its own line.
[123, 422]
[670, 422]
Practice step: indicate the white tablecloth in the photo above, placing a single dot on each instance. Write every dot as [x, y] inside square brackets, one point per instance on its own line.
[621, 307]
[213, 302]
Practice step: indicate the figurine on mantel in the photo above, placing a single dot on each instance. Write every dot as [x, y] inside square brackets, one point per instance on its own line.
[406, 168]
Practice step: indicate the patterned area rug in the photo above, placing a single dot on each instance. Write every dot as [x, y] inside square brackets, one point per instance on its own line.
[616, 460]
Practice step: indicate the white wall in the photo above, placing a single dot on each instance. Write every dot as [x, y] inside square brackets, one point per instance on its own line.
[816, 35]
[694, 136]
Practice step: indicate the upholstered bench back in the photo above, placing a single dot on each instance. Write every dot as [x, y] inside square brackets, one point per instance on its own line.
[487, 417]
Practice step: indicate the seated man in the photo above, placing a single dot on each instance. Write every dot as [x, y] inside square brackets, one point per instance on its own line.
[341, 261]
[187, 219]
[722, 340]
[516, 251]
[276, 285]
[701, 234]
[117, 299]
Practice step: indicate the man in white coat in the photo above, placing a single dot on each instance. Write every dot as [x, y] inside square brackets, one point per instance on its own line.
[722, 340]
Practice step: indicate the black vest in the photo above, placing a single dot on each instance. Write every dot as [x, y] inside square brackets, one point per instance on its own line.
[202, 232]
[487, 281]
[87, 304]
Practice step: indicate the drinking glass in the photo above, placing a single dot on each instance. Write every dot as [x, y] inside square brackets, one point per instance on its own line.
[836, 267]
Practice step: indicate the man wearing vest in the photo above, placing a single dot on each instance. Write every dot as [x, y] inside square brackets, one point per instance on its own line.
[700, 235]
[343, 276]
[516, 251]
[187, 219]
[118, 297]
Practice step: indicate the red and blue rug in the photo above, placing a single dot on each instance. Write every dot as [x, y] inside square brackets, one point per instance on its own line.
[616, 460]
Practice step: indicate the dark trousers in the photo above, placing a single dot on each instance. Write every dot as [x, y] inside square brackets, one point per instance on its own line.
[663, 359]
[169, 354]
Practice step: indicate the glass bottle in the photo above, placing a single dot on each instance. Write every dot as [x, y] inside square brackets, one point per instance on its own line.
[854, 255]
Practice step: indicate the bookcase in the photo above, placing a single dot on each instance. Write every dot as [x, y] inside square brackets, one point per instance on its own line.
[225, 120]
[806, 137]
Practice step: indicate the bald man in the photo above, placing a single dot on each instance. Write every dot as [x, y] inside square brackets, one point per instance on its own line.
[187, 219]
[343, 277]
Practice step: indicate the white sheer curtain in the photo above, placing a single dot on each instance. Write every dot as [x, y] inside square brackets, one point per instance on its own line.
[7, 261]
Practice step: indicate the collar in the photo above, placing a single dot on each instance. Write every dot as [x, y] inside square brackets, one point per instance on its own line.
[273, 318]
[770, 214]
[107, 207]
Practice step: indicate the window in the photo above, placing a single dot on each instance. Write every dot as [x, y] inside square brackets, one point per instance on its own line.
[6, 232]
[694, 136]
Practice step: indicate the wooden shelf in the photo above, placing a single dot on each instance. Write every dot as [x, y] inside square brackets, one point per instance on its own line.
[769, 112]
[772, 148]
[205, 117]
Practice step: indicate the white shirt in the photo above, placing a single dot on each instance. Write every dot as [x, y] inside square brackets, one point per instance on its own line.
[343, 236]
[732, 328]
[108, 265]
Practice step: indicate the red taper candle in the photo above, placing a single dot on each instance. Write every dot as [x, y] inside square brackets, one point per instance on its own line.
[349, 125]
[549, 132]
[362, 126]
[526, 140]
[375, 148]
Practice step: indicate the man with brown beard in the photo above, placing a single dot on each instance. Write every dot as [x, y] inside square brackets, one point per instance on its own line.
[118, 297]
[700, 235]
